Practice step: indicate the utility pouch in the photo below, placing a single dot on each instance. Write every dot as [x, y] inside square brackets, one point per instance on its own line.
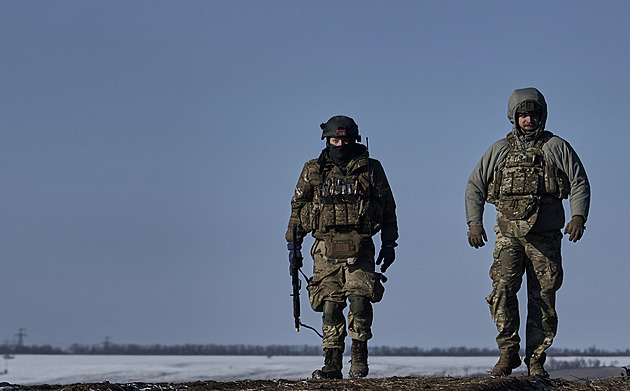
[551, 186]
[343, 245]
[517, 215]
[494, 187]
[518, 207]
[378, 290]
[556, 182]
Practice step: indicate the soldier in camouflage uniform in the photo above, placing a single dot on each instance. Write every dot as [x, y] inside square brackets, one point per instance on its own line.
[526, 176]
[343, 198]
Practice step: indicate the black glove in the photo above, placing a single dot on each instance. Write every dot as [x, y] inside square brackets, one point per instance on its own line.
[387, 255]
[295, 255]
[477, 236]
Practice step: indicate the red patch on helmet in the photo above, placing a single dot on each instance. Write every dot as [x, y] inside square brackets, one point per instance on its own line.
[340, 132]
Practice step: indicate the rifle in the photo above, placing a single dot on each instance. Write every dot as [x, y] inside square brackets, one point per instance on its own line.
[296, 264]
[295, 280]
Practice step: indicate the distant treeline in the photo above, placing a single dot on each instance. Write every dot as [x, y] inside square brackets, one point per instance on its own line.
[275, 350]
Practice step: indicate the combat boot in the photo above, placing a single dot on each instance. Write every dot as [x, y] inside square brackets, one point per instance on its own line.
[535, 367]
[332, 365]
[358, 362]
[506, 363]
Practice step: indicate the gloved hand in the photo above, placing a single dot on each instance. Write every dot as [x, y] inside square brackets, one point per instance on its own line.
[386, 255]
[295, 256]
[575, 228]
[477, 236]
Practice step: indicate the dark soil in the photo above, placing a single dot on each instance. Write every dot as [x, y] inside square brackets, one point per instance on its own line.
[389, 383]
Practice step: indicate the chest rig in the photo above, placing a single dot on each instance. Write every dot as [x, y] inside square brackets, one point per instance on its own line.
[346, 210]
[344, 198]
[525, 182]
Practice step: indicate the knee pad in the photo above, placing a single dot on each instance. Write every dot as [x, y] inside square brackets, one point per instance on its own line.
[360, 306]
[333, 313]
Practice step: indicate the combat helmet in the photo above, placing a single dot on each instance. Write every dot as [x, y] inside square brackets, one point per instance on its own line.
[529, 106]
[340, 126]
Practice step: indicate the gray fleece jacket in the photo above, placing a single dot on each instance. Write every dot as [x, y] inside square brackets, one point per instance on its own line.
[557, 152]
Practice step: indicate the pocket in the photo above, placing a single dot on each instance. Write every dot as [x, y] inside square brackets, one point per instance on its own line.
[305, 218]
[315, 298]
[364, 283]
[378, 290]
[309, 217]
[491, 299]
[556, 275]
[343, 245]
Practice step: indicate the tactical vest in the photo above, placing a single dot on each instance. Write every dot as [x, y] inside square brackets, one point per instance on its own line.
[345, 210]
[525, 182]
[345, 201]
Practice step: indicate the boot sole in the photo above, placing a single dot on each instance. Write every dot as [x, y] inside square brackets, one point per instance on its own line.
[357, 375]
[321, 375]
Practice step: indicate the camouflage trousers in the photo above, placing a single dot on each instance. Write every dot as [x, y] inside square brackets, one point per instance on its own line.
[537, 255]
[335, 282]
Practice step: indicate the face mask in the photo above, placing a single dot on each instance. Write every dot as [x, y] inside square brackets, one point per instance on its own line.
[342, 154]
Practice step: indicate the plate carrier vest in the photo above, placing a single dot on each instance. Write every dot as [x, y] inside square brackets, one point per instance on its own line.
[525, 181]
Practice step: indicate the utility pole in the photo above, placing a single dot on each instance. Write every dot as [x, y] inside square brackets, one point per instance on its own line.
[20, 337]
[106, 344]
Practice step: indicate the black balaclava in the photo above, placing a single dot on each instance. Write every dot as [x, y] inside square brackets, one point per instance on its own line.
[342, 154]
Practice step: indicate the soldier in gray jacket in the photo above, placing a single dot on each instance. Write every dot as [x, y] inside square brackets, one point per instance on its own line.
[526, 175]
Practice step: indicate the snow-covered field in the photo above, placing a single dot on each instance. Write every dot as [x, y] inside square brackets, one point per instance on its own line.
[68, 369]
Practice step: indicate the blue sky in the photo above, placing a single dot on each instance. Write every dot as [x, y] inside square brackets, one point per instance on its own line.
[150, 150]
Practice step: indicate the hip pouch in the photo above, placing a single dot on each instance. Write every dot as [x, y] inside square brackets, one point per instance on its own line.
[343, 245]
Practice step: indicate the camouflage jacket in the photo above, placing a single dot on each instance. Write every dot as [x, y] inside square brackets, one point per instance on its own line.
[356, 197]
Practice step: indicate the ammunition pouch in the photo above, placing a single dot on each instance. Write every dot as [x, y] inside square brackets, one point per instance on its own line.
[556, 182]
[494, 187]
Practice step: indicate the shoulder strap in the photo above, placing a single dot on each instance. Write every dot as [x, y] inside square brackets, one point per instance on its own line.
[321, 161]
